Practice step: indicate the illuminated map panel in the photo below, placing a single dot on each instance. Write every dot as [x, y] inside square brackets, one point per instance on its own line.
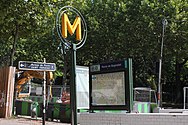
[108, 89]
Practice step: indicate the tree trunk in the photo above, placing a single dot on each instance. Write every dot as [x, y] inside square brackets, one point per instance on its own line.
[178, 84]
[15, 36]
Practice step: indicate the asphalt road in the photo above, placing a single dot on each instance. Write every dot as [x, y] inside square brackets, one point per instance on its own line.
[27, 121]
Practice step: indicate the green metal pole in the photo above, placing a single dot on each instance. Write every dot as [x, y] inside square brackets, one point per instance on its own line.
[73, 86]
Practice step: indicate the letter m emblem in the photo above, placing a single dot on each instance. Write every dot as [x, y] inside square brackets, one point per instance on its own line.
[66, 25]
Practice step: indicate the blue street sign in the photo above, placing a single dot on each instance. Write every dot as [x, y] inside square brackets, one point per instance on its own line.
[36, 66]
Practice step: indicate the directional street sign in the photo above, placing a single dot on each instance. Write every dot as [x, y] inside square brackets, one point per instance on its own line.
[37, 66]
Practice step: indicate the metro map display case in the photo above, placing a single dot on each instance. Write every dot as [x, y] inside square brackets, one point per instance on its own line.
[111, 86]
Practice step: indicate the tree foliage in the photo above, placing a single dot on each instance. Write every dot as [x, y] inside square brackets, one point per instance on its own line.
[117, 29]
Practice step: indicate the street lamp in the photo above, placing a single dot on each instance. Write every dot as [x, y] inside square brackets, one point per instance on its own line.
[164, 23]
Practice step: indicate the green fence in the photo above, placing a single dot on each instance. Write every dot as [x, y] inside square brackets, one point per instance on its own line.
[53, 111]
[58, 111]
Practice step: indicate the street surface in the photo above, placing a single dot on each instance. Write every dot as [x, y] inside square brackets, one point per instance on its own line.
[28, 121]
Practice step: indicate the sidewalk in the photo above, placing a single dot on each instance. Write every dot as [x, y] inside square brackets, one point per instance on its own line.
[28, 121]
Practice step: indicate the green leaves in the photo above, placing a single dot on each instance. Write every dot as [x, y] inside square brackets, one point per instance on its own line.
[117, 29]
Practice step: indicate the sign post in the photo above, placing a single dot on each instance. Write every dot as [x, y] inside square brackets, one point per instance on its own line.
[44, 97]
[63, 25]
[39, 66]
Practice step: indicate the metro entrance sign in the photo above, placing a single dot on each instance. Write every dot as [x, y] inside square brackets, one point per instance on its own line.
[36, 66]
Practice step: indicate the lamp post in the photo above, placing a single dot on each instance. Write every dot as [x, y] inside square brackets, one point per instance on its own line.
[164, 23]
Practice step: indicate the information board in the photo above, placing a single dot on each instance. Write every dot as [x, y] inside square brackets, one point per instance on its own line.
[111, 86]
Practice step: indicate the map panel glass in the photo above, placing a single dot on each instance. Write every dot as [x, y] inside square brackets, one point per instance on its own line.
[108, 89]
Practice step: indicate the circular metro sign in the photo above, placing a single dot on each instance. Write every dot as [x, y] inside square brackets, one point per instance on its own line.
[69, 31]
